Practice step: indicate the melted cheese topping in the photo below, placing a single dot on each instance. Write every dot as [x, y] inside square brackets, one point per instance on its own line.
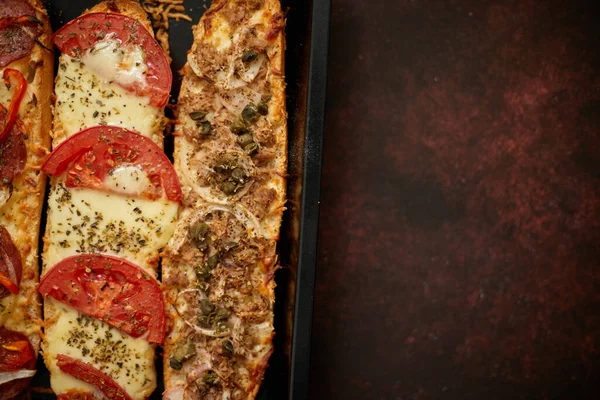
[105, 55]
[220, 37]
[88, 96]
[128, 179]
[129, 361]
[87, 221]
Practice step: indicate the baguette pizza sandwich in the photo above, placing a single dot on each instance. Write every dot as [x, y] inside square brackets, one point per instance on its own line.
[26, 67]
[231, 157]
[114, 199]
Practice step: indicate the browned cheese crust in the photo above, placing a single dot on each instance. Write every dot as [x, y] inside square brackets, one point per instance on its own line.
[20, 215]
[231, 157]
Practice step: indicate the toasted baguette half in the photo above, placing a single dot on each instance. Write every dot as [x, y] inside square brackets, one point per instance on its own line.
[231, 157]
[85, 221]
[21, 196]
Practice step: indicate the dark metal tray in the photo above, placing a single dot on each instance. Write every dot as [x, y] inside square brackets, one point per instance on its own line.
[307, 34]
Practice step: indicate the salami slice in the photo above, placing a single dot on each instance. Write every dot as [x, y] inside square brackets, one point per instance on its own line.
[11, 268]
[16, 354]
[13, 155]
[17, 34]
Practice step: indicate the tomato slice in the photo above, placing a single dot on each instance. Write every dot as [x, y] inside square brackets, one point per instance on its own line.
[93, 376]
[110, 289]
[15, 353]
[11, 268]
[84, 32]
[92, 154]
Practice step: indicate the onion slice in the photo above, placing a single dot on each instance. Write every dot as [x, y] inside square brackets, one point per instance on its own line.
[208, 194]
[191, 59]
[175, 393]
[14, 375]
[253, 68]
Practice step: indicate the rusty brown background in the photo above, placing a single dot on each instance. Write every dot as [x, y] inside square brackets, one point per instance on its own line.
[459, 245]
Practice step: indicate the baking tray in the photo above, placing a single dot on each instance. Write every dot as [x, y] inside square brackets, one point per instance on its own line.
[307, 35]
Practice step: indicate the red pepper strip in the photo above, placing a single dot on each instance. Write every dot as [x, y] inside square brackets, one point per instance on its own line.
[24, 20]
[7, 283]
[15, 102]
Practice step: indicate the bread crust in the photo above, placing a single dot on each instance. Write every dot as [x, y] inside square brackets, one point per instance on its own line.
[129, 8]
[21, 215]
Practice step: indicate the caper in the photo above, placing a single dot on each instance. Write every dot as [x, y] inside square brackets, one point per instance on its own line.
[249, 55]
[238, 127]
[251, 148]
[262, 108]
[228, 188]
[175, 364]
[206, 306]
[204, 320]
[220, 168]
[198, 233]
[209, 378]
[245, 139]
[198, 115]
[213, 261]
[204, 128]
[238, 174]
[222, 315]
[182, 353]
[199, 230]
[203, 274]
[227, 347]
[250, 113]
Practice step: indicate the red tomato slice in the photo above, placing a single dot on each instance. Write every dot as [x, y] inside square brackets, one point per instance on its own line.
[11, 268]
[92, 154]
[83, 33]
[110, 289]
[15, 353]
[91, 375]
